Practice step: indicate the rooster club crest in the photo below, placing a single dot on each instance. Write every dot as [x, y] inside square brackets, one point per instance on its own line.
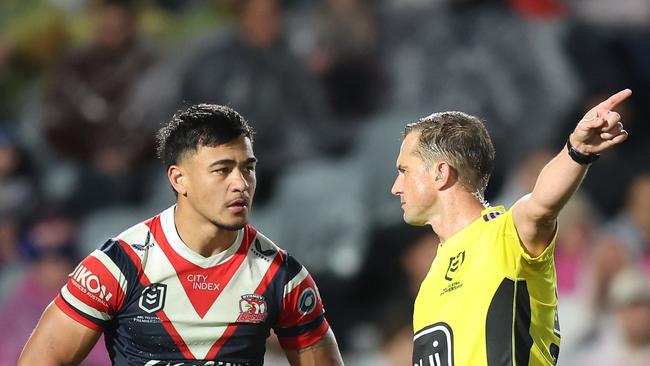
[252, 309]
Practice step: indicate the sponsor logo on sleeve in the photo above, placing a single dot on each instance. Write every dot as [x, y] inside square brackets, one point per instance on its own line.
[307, 301]
[87, 282]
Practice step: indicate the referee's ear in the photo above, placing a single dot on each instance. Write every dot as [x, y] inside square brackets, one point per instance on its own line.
[177, 179]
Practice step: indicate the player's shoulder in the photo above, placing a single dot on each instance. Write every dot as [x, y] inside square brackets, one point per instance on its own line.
[131, 243]
[261, 242]
[137, 236]
[115, 264]
[263, 245]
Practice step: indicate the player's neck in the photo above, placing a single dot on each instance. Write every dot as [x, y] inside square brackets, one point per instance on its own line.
[201, 235]
[456, 212]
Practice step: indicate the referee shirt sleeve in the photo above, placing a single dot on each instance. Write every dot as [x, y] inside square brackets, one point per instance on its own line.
[545, 257]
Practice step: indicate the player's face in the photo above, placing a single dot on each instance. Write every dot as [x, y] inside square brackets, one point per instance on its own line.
[414, 183]
[220, 182]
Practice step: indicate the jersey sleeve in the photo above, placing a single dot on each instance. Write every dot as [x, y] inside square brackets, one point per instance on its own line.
[95, 291]
[511, 232]
[302, 318]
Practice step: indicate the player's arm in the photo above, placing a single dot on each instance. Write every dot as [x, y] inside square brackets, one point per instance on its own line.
[324, 352]
[58, 340]
[302, 330]
[535, 215]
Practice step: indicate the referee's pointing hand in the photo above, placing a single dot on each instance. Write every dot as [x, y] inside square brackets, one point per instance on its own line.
[600, 128]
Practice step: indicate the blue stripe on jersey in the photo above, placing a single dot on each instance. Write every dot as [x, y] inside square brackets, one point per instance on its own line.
[246, 345]
[304, 328]
[115, 252]
[123, 346]
[275, 291]
[292, 268]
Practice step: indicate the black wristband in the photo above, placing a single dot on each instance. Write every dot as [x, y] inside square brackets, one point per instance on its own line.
[580, 158]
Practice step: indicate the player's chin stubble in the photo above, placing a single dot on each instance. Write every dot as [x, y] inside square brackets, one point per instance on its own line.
[233, 227]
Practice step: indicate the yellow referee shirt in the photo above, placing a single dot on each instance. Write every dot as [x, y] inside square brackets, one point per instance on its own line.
[485, 301]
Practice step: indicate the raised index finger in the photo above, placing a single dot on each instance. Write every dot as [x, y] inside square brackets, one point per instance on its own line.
[615, 99]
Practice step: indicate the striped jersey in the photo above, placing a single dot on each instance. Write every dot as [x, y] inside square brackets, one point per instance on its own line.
[160, 303]
[485, 301]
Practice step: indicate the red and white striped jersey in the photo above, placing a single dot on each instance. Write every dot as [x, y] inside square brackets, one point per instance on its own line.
[160, 303]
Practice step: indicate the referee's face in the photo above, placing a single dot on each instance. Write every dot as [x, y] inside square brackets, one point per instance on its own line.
[414, 184]
[219, 182]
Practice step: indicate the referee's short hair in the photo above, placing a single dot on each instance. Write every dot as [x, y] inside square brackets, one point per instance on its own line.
[462, 141]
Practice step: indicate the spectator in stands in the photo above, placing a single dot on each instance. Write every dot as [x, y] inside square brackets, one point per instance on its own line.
[50, 244]
[18, 188]
[632, 224]
[339, 40]
[453, 55]
[576, 237]
[522, 178]
[11, 267]
[624, 339]
[33, 35]
[251, 69]
[85, 117]
[584, 311]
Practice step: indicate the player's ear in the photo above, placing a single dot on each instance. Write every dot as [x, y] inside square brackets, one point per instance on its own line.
[177, 179]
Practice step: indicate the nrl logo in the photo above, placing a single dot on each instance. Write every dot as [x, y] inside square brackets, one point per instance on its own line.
[153, 297]
[454, 265]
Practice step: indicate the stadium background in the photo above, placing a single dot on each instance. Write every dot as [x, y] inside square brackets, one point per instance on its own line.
[328, 85]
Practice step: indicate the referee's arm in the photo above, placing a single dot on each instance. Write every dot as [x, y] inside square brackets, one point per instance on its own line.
[535, 215]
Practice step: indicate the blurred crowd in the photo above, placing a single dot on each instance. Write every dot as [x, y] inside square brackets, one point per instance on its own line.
[328, 85]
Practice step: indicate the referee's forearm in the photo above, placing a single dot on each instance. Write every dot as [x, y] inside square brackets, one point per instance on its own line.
[555, 185]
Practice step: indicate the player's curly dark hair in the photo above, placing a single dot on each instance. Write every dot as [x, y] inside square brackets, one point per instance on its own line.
[200, 125]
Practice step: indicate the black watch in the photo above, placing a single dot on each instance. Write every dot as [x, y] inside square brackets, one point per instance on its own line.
[578, 157]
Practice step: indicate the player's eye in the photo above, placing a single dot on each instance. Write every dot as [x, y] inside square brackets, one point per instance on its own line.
[222, 171]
